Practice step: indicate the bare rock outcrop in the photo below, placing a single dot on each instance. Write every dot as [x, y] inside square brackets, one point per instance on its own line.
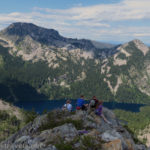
[76, 130]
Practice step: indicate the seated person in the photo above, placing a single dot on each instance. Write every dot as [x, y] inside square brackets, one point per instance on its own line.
[98, 111]
[81, 103]
[93, 102]
[67, 106]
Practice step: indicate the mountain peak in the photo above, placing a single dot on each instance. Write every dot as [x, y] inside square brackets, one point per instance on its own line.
[44, 36]
[23, 29]
[35, 32]
[19, 30]
[141, 46]
[138, 40]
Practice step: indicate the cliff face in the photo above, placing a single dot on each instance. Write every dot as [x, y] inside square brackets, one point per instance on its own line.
[60, 130]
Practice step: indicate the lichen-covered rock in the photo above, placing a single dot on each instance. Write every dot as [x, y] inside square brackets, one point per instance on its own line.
[110, 135]
[113, 145]
[67, 132]
[141, 147]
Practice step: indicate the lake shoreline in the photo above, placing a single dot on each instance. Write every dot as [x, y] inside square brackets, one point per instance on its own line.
[48, 105]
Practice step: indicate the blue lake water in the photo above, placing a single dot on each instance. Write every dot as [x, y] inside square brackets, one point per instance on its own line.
[48, 105]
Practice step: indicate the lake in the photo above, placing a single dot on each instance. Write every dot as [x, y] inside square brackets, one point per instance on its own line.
[48, 105]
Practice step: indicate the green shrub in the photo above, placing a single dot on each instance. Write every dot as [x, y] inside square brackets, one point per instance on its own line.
[134, 137]
[3, 115]
[29, 116]
[121, 56]
[61, 145]
[136, 122]
[55, 119]
[64, 146]
[9, 124]
[77, 123]
[89, 143]
[14, 121]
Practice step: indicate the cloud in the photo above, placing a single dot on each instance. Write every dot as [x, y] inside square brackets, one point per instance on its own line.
[93, 24]
[125, 10]
[106, 22]
[15, 17]
[142, 34]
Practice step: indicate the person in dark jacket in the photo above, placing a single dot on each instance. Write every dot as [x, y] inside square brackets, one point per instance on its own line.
[93, 102]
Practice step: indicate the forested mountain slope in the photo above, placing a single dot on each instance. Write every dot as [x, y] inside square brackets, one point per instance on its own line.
[42, 64]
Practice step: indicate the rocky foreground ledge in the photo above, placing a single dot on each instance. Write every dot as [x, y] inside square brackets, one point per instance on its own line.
[60, 130]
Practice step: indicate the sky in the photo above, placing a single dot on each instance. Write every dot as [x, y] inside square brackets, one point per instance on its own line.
[113, 21]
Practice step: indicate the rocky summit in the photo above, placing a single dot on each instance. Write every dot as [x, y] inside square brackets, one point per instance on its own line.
[49, 37]
[61, 130]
